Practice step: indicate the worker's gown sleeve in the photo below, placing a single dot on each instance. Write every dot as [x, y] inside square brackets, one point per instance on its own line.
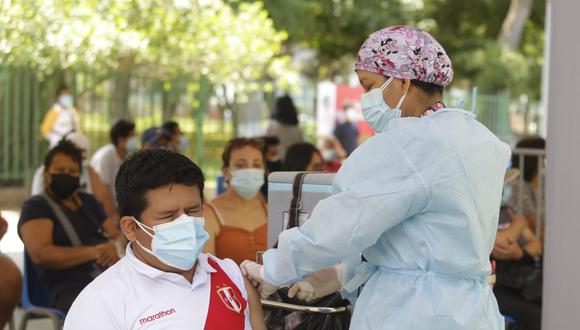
[346, 223]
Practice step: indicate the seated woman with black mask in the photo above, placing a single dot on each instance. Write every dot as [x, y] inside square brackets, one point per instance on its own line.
[65, 268]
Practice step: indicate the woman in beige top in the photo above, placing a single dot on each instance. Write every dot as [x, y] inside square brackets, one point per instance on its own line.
[284, 125]
[237, 219]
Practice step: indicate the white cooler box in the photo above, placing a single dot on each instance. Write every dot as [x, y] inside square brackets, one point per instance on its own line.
[314, 187]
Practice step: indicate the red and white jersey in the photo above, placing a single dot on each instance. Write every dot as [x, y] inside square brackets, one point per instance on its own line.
[134, 295]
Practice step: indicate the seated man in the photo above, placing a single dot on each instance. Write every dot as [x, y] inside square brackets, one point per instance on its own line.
[164, 282]
[64, 267]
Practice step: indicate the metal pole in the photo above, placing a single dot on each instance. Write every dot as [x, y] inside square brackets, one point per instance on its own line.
[540, 198]
[36, 123]
[561, 292]
[16, 126]
[28, 169]
[6, 128]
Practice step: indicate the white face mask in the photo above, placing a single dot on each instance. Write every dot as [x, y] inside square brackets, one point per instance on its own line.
[247, 182]
[376, 111]
[177, 243]
[132, 144]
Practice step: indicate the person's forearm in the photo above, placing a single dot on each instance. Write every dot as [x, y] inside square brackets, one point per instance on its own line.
[58, 257]
[534, 248]
[515, 230]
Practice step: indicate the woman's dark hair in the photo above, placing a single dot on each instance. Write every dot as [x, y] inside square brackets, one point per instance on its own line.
[151, 169]
[530, 169]
[426, 87]
[298, 156]
[67, 148]
[285, 112]
[239, 143]
[121, 129]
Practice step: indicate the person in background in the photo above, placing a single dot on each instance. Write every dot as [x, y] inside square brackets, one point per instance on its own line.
[284, 124]
[10, 282]
[273, 161]
[66, 269]
[155, 137]
[90, 181]
[237, 220]
[303, 157]
[108, 159]
[178, 141]
[164, 282]
[518, 253]
[531, 188]
[333, 154]
[272, 151]
[61, 119]
[346, 131]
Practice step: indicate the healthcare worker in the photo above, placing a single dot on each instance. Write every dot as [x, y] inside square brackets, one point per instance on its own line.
[420, 200]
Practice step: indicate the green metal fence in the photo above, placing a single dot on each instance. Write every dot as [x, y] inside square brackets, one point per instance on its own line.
[24, 100]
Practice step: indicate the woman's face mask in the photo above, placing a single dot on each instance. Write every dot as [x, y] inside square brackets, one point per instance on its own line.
[177, 243]
[132, 144]
[66, 100]
[376, 111]
[64, 185]
[247, 182]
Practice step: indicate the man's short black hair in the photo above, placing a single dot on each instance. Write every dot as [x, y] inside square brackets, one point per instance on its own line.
[171, 126]
[67, 148]
[270, 140]
[151, 169]
[121, 129]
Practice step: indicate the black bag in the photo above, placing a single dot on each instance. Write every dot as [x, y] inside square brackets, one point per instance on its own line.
[523, 275]
[337, 316]
[285, 319]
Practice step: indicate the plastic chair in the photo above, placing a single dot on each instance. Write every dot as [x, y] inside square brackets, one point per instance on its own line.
[11, 323]
[221, 185]
[510, 322]
[34, 298]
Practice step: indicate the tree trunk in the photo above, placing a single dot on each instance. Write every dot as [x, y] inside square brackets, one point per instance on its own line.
[514, 23]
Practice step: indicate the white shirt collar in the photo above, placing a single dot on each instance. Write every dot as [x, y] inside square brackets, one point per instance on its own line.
[203, 268]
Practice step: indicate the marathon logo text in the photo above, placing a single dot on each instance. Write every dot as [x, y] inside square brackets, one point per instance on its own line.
[157, 316]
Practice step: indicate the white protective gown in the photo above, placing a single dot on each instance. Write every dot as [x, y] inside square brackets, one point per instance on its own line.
[421, 202]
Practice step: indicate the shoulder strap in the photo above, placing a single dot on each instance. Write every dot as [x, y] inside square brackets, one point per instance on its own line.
[63, 219]
[296, 204]
[217, 213]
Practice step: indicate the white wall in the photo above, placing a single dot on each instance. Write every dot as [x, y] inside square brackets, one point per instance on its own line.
[561, 304]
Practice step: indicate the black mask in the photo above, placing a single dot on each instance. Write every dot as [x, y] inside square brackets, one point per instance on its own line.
[64, 185]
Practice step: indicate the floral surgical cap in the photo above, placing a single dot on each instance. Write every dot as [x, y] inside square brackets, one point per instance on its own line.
[406, 53]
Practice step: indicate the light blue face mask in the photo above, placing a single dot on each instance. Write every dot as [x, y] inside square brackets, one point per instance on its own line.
[247, 182]
[183, 143]
[132, 144]
[66, 100]
[376, 111]
[177, 243]
[506, 195]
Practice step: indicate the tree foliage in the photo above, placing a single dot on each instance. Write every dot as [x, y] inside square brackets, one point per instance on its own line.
[468, 30]
[157, 38]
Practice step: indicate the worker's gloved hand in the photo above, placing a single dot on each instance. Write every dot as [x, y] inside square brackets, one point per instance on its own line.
[255, 273]
[319, 284]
